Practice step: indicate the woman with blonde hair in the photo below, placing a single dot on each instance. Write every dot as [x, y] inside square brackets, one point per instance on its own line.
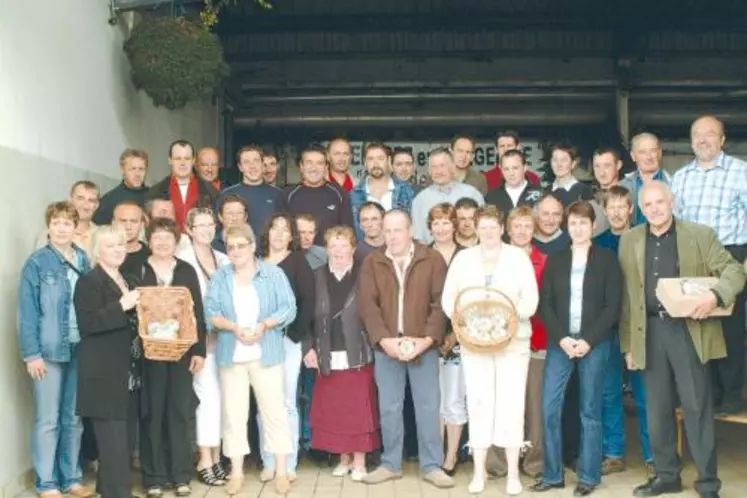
[442, 225]
[496, 381]
[197, 250]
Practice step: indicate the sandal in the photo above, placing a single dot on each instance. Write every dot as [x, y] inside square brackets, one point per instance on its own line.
[220, 471]
[207, 476]
[182, 490]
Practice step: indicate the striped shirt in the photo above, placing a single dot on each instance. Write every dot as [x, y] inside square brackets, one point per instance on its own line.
[715, 197]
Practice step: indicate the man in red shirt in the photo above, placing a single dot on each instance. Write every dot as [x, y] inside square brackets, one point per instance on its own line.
[506, 140]
[339, 157]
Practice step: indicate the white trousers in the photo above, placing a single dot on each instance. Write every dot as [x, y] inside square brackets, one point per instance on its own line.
[496, 394]
[206, 384]
[453, 393]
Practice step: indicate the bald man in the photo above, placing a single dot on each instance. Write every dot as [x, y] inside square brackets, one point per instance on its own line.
[673, 353]
[208, 166]
[712, 190]
[645, 150]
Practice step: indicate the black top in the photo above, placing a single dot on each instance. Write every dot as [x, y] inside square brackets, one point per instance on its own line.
[499, 198]
[301, 279]
[134, 261]
[363, 249]
[661, 261]
[262, 201]
[329, 204]
[104, 352]
[578, 192]
[559, 243]
[184, 276]
[115, 196]
[339, 290]
[602, 295]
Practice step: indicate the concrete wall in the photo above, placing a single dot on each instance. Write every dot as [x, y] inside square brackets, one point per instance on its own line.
[67, 110]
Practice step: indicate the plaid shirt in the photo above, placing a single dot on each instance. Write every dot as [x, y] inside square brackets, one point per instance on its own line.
[716, 197]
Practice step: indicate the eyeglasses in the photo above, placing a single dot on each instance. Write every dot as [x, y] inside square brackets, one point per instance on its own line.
[204, 225]
[238, 247]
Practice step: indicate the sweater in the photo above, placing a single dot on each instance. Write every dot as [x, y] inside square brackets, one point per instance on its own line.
[328, 204]
[261, 200]
[121, 193]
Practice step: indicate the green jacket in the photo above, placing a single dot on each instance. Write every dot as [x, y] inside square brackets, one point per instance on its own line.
[700, 255]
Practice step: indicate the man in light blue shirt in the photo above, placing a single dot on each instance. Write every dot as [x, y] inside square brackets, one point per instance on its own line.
[443, 189]
[645, 150]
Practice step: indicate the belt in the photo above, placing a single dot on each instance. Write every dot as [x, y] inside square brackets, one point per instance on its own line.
[659, 314]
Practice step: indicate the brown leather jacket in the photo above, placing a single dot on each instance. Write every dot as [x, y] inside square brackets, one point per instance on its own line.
[378, 292]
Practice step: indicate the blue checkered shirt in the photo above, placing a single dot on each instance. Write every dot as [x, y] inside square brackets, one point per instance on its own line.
[716, 197]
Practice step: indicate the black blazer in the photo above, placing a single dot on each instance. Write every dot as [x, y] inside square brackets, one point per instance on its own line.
[104, 349]
[301, 279]
[601, 301]
[206, 194]
[184, 276]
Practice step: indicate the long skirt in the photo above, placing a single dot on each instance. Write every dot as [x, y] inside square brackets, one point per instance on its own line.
[344, 412]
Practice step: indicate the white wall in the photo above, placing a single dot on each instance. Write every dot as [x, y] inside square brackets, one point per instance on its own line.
[67, 110]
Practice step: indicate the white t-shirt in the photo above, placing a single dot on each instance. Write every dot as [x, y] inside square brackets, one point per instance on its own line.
[515, 192]
[246, 304]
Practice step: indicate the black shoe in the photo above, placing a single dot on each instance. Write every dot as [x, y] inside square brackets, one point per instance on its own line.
[656, 487]
[542, 486]
[584, 490]
[450, 472]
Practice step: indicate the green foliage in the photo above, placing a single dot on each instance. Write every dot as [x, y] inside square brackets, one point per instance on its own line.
[211, 10]
[175, 61]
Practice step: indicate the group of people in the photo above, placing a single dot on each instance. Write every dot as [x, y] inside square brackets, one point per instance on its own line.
[347, 288]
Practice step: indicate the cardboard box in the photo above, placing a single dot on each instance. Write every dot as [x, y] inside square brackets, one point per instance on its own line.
[680, 295]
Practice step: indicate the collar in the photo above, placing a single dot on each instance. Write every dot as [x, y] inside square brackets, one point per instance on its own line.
[658, 176]
[410, 253]
[141, 188]
[340, 275]
[720, 161]
[520, 188]
[567, 186]
[545, 240]
[389, 187]
[445, 189]
[347, 184]
[670, 231]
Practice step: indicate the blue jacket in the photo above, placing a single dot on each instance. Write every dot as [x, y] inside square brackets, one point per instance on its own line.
[401, 199]
[44, 300]
[276, 300]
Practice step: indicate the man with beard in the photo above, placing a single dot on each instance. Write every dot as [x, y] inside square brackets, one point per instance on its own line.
[463, 149]
[270, 167]
[403, 167]
[379, 185]
[339, 156]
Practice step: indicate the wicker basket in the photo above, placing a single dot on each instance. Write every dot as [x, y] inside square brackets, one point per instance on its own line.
[162, 303]
[489, 306]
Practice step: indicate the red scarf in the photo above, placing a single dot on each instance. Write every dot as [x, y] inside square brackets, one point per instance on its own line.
[181, 208]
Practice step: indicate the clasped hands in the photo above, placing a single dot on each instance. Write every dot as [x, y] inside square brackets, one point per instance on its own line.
[247, 336]
[575, 348]
[392, 347]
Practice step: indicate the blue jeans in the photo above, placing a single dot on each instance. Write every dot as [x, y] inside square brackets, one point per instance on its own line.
[612, 412]
[55, 442]
[558, 368]
[639, 396]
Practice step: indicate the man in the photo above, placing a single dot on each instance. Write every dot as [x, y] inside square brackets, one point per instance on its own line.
[233, 212]
[405, 343]
[646, 153]
[324, 200]
[550, 238]
[505, 141]
[673, 352]
[182, 187]
[443, 189]
[379, 185]
[618, 208]
[371, 222]
[160, 208]
[306, 227]
[270, 167]
[606, 164]
[134, 165]
[516, 189]
[712, 190]
[339, 156]
[84, 197]
[261, 199]
[403, 167]
[466, 208]
[463, 150]
[208, 166]
[129, 216]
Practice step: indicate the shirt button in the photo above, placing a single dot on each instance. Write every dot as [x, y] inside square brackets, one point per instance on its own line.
[656, 274]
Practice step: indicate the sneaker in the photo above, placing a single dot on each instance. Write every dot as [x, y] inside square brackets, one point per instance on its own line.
[267, 475]
[476, 486]
[612, 466]
[381, 474]
[439, 479]
[341, 470]
[513, 487]
[357, 475]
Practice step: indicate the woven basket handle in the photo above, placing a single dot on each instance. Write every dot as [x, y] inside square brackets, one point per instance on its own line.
[484, 289]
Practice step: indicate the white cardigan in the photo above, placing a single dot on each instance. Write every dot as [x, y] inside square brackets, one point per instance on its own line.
[186, 252]
[513, 275]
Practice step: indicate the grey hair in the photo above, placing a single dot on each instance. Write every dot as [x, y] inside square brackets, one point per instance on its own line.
[105, 232]
[441, 151]
[657, 185]
[641, 136]
[244, 230]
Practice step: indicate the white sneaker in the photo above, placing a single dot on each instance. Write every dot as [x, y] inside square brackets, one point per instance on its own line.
[267, 475]
[513, 487]
[476, 486]
[341, 470]
[357, 475]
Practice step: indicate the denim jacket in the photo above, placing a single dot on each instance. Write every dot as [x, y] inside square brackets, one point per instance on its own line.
[276, 301]
[402, 197]
[44, 300]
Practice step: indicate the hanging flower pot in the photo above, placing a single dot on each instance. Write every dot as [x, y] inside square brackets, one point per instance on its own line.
[175, 61]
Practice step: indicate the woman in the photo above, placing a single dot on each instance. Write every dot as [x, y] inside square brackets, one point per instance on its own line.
[279, 246]
[520, 226]
[48, 336]
[563, 160]
[109, 360]
[496, 382]
[580, 304]
[442, 224]
[249, 304]
[344, 415]
[198, 252]
[168, 395]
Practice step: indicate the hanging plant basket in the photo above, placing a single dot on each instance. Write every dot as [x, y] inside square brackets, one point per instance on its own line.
[175, 61]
